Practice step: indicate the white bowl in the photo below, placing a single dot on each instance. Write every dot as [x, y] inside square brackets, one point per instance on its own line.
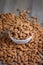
[20, 41]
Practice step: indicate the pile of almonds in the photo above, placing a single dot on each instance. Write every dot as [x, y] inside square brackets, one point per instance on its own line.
[21, 27]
